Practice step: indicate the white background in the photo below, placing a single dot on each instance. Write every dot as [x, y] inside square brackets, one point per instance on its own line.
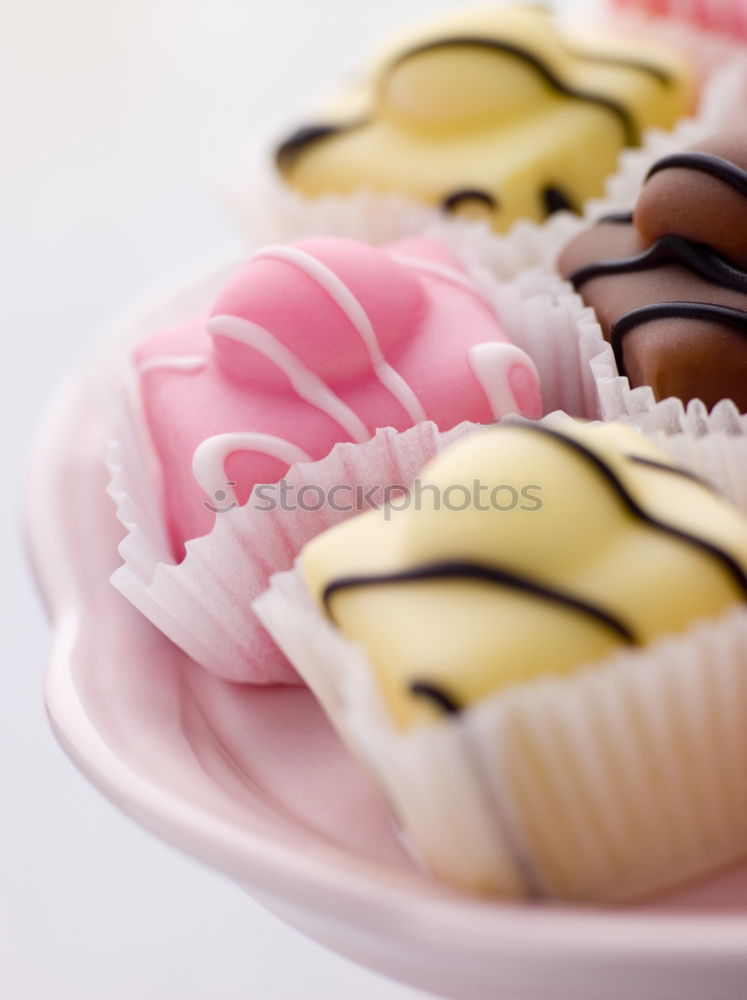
[115, 119]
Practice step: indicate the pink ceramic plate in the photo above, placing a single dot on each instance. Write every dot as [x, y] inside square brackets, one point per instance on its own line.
[255, 783]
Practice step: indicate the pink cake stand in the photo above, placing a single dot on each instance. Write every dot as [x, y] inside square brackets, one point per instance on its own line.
[254, 783]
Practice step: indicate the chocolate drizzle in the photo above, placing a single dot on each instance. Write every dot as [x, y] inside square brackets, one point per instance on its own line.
[452, 201]
[728, 563]
[658, 74]
[448, 570]
[705, 163]
[616, 219]
[696, 257]
[735, 319]
[554, 82]
[288, 152]
[675, 470]
[436, 694]
[556, 200]
[484, 574]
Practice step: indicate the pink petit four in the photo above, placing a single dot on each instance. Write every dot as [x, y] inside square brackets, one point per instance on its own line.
[315, 343]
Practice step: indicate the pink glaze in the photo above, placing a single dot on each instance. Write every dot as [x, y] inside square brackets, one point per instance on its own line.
[728, 16]
[315, 343]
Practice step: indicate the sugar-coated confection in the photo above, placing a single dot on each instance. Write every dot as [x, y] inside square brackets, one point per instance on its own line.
[669, 281]
[493, 113]
[526, 549]
[315, 343]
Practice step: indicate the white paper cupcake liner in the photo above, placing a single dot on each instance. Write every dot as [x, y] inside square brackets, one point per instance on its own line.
[204, 602]
[272, 211]
[639, 407]
[606, 394]
[621, 780]
[717, 456]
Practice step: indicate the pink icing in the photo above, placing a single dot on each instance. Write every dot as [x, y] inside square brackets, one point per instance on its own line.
[385, 334]
[525, 390]
[726, 17]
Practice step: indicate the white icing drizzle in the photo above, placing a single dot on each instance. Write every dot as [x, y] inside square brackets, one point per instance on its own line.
[306, 383]
[184, 363]
[209, 459]
[491, 362]
[351, 307]
[435, 270]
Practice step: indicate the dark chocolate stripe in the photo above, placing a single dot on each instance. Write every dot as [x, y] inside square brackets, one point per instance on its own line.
[436, 694]
[475, 571]
[556, 200]
[659, 74]
[730, 564]
[616, 219]
[288, 152]
[705, 163]
[497, 45]
[452, 201]
[675, 470]
[483, 574]
[735, 319]
[696, 257]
